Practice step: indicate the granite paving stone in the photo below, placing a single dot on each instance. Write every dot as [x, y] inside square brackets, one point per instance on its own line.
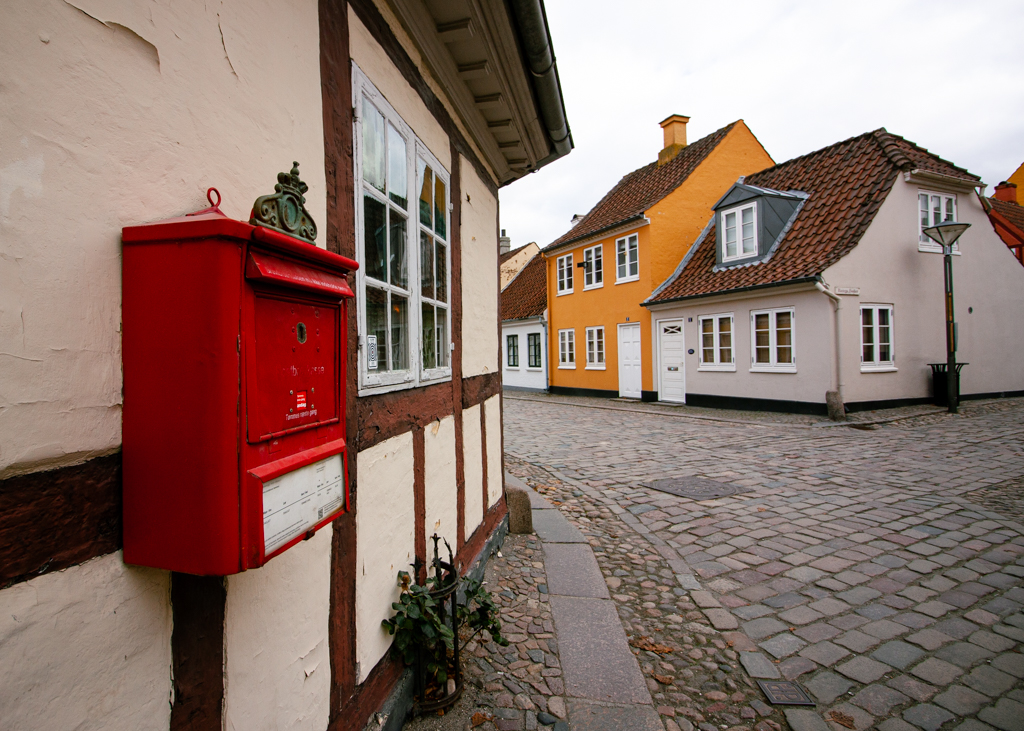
[572, 570]
[961, 701]
[878, 699]
[863, 669]
[927, 716]
[824, 653]
[1006, 714]
[827, 686]
[898, 654]
[936, 672]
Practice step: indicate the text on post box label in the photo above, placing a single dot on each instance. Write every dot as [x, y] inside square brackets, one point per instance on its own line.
[295, 502]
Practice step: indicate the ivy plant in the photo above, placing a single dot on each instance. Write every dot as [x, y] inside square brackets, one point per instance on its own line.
[418, 629]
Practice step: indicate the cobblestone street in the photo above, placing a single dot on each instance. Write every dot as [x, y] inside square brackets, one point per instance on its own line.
[878, 566]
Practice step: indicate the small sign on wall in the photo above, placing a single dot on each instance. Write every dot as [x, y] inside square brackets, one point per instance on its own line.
[854, 291]
[371, 352]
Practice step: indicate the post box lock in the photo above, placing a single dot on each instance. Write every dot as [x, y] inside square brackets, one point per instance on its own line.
[300, 332]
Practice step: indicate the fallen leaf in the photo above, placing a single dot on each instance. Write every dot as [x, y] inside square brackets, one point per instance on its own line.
[761, 510]
[843, 719]
[645, 643]
[663, 679]
[479, 718]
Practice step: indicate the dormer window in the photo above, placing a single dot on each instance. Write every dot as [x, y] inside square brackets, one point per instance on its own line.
[739, 232]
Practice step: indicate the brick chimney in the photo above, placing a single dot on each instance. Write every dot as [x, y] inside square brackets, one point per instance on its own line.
[674, 128]
[1006, 192]
[504, 243]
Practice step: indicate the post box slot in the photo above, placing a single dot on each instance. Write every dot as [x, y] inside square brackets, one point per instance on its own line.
[267, 269]
[295, 366]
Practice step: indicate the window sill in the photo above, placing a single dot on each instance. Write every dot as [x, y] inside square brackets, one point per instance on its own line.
[380, 388]
[745, 259]
[599, 285]
[538, 369]
[599, 367]
[511, 368]
[878, 369]
[567, 367]
[563, 293]
[773, 370]
[933, 248]
[627, 280]
[718, 368]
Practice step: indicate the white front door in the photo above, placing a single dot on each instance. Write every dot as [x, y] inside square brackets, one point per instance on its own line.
[630, 380]
[671, 352]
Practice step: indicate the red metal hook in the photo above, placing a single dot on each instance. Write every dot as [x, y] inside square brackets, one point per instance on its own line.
[214, 207]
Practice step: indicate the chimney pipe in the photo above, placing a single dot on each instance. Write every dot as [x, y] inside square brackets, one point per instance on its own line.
[1006, 192]
[504, 243]
[674, 128]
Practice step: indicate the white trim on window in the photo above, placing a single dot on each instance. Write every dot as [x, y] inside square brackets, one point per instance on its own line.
[567, 349]
[534, 339]
[563, 265]
[627, 259]
[933, 208]
[595, 349]
[877, 341]
[773, 340]
[739, 229]
[717, 342]
[593, 267]
[512, 351]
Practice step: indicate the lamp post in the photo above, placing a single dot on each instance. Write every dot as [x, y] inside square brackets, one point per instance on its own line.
[946, 234]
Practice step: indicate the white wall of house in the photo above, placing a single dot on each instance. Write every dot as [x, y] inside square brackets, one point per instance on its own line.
[473, 455]
[440, 498]
[479, 285]
[888, 268]
[495, 473]
[523, 376]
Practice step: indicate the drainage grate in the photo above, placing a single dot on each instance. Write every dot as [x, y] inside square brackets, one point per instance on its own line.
[696, 488]
[785, 693]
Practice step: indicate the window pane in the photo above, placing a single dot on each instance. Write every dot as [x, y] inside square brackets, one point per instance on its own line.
[591, 347]
[867, 317]
[571, 336]
[398, 180]
[634, 257]
[426, 178]
[373, 146]
[884, 336]
[598, 266]
[441, 331]
[730, 234]
[440, 216]
[621, 254]
[784, 337]
[600, 346]
[377, 323]
[936, 209]
[923, 200]
[399, 257]
[748, 230]
[374, 244]
[762, 339]
[950, 213]
[427, 265]
[725, 340]
[533, 343]
[399, 333]
[707, 340]
[441, 271]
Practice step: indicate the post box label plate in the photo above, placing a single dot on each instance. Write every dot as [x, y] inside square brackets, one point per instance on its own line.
[295, 502]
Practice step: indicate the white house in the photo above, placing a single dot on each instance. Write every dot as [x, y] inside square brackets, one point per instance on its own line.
[524, 305]
[814, 276]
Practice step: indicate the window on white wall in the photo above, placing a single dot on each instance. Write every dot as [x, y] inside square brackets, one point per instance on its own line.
[533, 350]
[512, 351]
[403, 328]
[595, 348]
[876, 338]
[593, 267]
[772, 346]
[739, 232]
[627, 259]
[933, 209]
[716, 351]
[564, 267]
[567, 349]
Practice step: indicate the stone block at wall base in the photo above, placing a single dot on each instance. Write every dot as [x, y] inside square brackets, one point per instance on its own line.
[835, 406]
[520, 515]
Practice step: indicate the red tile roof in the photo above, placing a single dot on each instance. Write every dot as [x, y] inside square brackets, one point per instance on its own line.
[641, 189]
[846, 184]
[1012, 212]
[527, 294]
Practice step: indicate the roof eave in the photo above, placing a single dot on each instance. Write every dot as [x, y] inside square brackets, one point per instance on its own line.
[951, 181]
[737, 290]
[625, 224]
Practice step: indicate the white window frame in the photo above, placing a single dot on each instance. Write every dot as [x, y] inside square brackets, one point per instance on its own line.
[923, 242]
[876, 365]
[741, 253]
[773, 366]
[567, 349]
[509, 340]
[563, 270]
[372, 381]
[593, 267]
[716, 364]
[626, 245]
[596, 355]
[540, 351]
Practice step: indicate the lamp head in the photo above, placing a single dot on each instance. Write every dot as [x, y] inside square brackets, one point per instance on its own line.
[946, 233]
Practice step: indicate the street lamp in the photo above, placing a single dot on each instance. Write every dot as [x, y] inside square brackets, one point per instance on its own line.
[946, 234]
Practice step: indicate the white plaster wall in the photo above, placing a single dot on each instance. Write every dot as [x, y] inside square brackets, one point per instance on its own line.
[374, 62]
[120, 113]
[277, 673]
[524, 376]
[495, 460]
[88, 649]
[889, 269]
[440, 492]
[812, 339]
[472, 451]
[385, 509]
[479, 274]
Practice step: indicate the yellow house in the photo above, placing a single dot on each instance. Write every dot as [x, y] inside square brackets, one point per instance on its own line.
[610, 261]
[1018, 179]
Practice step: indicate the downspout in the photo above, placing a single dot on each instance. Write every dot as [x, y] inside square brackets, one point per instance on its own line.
[536, 44]
[834, 399]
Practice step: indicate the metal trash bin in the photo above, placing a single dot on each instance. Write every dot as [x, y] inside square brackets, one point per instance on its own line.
[940, 395]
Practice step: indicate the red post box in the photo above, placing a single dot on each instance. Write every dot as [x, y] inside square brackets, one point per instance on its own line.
[234, 348]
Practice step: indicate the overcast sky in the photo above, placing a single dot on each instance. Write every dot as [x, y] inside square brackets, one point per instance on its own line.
[946, 75]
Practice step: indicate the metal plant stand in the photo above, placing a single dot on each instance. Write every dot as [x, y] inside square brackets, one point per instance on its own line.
[446, 595]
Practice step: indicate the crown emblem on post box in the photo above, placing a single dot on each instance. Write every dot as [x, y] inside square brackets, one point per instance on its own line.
[284, 210]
